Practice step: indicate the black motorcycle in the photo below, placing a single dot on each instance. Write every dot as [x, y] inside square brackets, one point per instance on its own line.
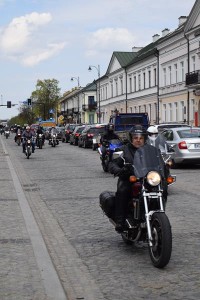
[40, 141]
[111, 146]
[146, 219]
[28, 147]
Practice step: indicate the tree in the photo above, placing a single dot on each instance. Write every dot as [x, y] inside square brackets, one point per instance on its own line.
[45, 97]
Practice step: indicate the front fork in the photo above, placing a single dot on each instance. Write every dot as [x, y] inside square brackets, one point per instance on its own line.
[149, 214]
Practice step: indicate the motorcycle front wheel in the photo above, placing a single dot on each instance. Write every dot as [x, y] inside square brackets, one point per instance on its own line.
[160, 251]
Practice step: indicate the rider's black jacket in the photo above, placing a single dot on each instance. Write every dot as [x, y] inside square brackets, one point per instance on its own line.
[108, 136]
[39, 131]
[128, 154]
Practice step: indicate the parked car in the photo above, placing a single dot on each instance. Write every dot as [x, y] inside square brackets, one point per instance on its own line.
[59, 132]
[73, 139]
[86, 137]
[97, 136]
[69, 128]
[163, 126]
[186, 143]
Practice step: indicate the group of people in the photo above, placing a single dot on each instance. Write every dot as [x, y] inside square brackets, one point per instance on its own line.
[138, 137]
[26, 133]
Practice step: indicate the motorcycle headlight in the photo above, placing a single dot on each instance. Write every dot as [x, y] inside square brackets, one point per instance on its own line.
[54, 135]
[153, 178]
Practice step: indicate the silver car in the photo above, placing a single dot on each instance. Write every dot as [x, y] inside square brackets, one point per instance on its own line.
[186, 144]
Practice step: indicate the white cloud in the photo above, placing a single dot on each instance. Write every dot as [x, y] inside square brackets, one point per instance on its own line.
[114, 38]
[42, 55]
[18, 33]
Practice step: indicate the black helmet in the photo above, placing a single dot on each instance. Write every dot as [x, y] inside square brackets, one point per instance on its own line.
[138, 129]
[110, 127]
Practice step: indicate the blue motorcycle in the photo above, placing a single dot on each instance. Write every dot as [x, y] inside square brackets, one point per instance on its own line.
[109, 148]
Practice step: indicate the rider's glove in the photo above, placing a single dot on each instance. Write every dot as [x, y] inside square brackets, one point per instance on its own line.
[125, 172]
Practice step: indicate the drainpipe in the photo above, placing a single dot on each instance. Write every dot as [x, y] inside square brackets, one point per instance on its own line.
[188, 93]
[158, 87]
[126, 91]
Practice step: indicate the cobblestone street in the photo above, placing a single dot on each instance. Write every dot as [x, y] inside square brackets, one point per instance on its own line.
[62, 186]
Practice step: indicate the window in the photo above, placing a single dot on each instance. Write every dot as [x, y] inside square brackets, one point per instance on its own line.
[155, 77]
[182, 71]
[91, 100]
[144, 80]
[170, 111]
[149, 111]
[149, 74]
[131, 109]
[121, 81]
[182, 110]
[111, 90]
[176, 73]
[164, 113]
[193, 63]
[116, 86]
[130, 84]
[135, 87]
[170, 74]
[175, 111]
[106, 92]
[139, 82]
[164, 77]
[145, 108]
[192, 109]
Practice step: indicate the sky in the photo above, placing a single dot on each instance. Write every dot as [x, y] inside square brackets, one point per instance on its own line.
[59, 39]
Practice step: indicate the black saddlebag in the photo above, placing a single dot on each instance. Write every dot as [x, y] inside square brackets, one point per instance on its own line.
[107, 203]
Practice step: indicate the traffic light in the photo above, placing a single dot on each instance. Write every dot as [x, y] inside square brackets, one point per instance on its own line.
[29, 101]
[8, 104]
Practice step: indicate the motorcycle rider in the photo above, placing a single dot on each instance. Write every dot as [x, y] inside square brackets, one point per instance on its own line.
[18, 130]
[156, 140]
[40, 131]
[106, 137]
[53, 131]
[27, 134]
[138, 137]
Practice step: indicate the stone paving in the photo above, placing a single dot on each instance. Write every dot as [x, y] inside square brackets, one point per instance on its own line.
[62, 186]
[19, 274]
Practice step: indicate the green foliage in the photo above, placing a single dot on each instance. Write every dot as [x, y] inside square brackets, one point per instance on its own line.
[45, 97]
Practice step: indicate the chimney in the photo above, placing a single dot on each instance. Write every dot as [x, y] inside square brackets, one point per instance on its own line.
[136, 49]
[165, 32]
[155, 37]
[182, 19]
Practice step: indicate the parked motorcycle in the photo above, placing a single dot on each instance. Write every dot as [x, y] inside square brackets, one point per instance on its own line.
[146, 220]
[39, 141]
[111, 147]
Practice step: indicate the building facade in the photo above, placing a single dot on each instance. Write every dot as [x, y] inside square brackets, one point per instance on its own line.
[162, 79]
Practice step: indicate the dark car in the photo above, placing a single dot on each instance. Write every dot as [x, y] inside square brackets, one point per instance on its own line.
[69, 128]
[59, 132]
[74, 136]
[86, 138]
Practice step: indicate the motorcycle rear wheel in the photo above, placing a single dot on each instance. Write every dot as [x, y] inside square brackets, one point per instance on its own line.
[160, 252]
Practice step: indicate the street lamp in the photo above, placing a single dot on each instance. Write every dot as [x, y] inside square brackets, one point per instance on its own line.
[72, 79]
[98, 71]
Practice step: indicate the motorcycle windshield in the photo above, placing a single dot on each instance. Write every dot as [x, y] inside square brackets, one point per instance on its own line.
[115, 143]
[146, 159]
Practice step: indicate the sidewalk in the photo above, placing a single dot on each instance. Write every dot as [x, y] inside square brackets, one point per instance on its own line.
[19, 275]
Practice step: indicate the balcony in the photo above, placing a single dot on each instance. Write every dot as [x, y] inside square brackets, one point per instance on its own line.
[90, 107]
[193, 79]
